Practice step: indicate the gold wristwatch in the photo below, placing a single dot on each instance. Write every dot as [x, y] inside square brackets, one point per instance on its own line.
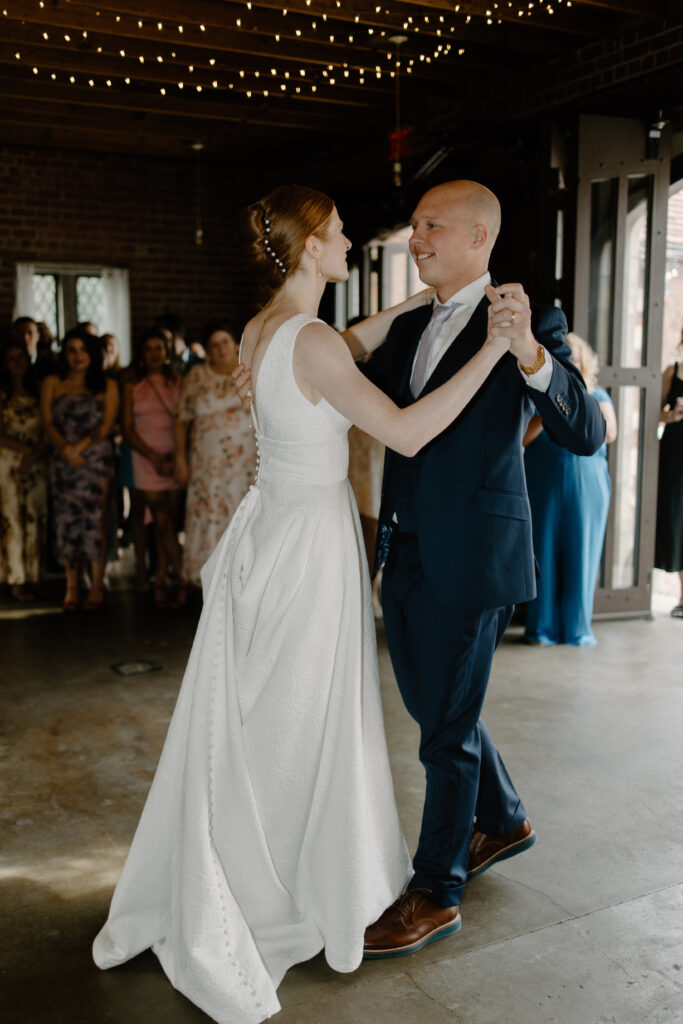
[535, 366]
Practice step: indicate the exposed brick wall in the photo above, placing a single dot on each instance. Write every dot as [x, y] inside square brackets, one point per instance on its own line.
[137, 212]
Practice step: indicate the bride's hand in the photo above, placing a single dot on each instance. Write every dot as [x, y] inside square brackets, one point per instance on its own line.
[499, 343]
[242, 377]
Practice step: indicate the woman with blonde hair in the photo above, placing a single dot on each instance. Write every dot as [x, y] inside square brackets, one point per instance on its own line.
[271, 829]
[569, 496]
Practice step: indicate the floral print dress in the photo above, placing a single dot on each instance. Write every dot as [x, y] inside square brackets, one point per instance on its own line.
[23, 497]
[222, 460]
[78, 491]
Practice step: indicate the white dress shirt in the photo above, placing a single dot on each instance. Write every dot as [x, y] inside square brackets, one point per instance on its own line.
[469, 297]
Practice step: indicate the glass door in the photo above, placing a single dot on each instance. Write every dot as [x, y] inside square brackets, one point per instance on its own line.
[618, 309]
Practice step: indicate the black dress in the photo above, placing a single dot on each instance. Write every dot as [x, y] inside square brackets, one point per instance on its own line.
[669, 545]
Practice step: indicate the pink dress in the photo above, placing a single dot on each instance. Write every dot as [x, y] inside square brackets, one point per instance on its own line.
[155, 400]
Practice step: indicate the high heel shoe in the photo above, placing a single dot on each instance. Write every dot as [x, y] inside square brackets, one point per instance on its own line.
[95, 599]
[70, 603]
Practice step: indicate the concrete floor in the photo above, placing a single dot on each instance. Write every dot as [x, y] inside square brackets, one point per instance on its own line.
[586, 927]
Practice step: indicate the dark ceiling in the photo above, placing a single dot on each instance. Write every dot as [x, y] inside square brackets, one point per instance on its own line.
[258, 84]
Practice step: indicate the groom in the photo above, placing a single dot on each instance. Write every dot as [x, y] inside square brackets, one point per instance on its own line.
[455, 531]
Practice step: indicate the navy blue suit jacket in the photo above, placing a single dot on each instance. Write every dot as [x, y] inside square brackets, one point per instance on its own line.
[465, 492]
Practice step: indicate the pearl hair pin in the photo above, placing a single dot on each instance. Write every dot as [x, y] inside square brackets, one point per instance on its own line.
[269, 249]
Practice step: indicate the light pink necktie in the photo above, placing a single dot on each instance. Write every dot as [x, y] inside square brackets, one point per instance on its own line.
[440, 315]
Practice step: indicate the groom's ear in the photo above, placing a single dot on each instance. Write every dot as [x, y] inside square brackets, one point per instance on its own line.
[480, 236]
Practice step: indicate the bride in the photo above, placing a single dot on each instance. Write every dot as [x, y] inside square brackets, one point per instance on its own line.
[270, 831]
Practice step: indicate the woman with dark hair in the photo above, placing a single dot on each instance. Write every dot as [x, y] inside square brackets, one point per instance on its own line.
[79, 405]
[23, 478]
[150, 400]
[219, 463]
[669, 544]
[271, 830]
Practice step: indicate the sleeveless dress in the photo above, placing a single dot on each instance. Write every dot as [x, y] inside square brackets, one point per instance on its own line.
[270, 831]
[569, 497]
[23, 497]
[222, 453]
[155, 401]
[77, 491]
[669, 544]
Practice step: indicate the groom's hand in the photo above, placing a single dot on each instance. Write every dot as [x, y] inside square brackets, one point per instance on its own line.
[510, 317]
[242, 377]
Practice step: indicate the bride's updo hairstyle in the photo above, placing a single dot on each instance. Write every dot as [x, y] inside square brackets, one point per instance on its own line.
[277, 227]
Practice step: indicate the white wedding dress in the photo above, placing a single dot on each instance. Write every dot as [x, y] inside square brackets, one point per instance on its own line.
[270, 831]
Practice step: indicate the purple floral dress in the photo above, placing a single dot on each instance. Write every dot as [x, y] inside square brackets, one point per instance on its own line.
[77, 490]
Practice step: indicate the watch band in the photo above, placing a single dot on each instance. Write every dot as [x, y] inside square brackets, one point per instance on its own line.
[535, 366]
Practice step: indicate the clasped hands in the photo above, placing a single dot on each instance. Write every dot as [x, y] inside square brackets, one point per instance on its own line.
[510, 317]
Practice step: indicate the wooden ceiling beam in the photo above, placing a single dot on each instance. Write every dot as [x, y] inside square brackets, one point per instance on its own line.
[481, 7]
[79, 18]
[527, 36]
[287, 114]
[444, 71]
[239, 45]
[120, 124]
[646, 8]
[115, 70]
[25, 37]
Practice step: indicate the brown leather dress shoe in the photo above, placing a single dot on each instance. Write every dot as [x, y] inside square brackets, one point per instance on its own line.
[486, 850]
[409, 924]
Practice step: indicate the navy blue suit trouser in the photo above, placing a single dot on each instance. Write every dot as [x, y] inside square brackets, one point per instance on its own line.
[442, 660]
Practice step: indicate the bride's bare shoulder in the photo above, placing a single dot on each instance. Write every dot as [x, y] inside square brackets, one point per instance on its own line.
[316, 333]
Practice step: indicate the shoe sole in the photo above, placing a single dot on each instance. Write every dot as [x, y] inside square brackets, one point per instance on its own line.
[439, 933]
[509, 851]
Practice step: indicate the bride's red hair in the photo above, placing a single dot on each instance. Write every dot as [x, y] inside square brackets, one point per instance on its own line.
[276, 229]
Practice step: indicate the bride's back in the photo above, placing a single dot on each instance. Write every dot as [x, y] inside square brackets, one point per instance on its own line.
[296, 438]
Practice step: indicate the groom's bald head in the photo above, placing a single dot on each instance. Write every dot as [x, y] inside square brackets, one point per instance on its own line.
[455, 226]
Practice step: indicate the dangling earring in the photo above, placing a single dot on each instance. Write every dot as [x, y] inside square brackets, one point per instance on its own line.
[317, 263]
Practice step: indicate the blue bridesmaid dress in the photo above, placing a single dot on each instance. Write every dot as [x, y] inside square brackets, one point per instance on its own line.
[569, 496]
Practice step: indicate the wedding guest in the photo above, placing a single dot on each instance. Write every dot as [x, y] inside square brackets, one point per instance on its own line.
[46, 356]
[27, 331]
[23, 475]
[79, 406]
[182, 356]
[569, 496]
[111, 354]
[111, 363]
[89, 327]
[150, 402]
[46, 338]
[135, 529]
[669, 543]
[222, 447]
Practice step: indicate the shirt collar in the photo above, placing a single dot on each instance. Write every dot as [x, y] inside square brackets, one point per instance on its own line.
[470, 295]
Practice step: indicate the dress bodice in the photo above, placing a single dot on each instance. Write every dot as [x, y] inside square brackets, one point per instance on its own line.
[204, 392]
[298, 442]
[75, 415]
